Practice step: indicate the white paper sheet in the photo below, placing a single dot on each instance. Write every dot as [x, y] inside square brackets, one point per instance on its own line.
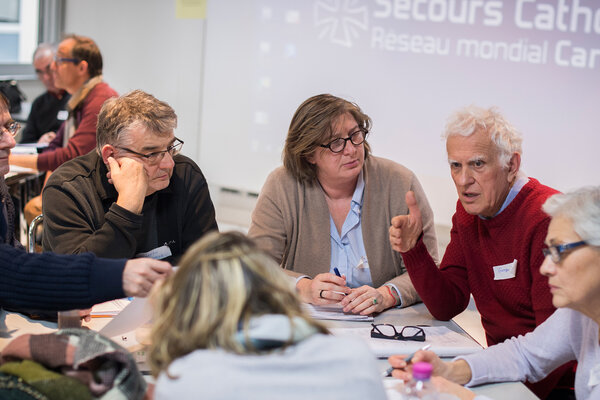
[134, 315]
[444, 342]
[110, 308]
[334, 312]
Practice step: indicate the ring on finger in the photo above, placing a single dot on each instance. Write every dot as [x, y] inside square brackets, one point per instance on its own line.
[321, 293]
[374, 300]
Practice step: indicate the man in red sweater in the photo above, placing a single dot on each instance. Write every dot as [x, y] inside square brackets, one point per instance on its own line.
[497, 235]
[77, 68]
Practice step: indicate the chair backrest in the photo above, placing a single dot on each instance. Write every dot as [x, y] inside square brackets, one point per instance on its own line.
[32, 237]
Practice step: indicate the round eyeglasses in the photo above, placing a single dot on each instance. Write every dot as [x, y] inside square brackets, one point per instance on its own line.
[338, 145]
[12, 127]
[157, 156]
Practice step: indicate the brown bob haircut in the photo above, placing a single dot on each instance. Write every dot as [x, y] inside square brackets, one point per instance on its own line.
[312, 125]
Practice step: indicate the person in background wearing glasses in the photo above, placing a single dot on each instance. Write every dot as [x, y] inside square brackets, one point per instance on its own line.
[571, 268]
[228, 325]
[321, 214]
[77, 68]
[135, 195]
[48, 110]
[496, 238]
[53, 282]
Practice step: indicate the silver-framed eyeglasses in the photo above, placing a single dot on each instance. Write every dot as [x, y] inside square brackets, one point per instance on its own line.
[11, 127]
[157, 156]
[556, 252]
[338, 145]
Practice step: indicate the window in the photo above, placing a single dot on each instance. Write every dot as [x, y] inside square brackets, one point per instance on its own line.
[24, 24]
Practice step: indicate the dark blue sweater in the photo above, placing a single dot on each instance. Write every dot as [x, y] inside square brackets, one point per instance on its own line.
[56, 282]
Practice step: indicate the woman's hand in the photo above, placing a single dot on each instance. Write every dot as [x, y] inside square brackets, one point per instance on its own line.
[457, 371]
[403, 371]
[366, 300]
[325, 288]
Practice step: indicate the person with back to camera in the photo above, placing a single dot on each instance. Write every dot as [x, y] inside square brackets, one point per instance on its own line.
[572, 268]
[321, 215]
[496, 237]
[228, 325]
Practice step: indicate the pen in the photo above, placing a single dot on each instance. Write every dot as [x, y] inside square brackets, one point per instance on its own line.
[337, 272]
[388, 372]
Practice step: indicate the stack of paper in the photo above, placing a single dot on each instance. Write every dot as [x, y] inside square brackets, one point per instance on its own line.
[109, 308]
[444, 342]
[334, 312]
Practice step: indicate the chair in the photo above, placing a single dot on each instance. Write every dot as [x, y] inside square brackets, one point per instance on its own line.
[33, 238]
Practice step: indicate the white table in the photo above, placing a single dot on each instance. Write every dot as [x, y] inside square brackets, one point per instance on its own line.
[419, 315]
[14, 324]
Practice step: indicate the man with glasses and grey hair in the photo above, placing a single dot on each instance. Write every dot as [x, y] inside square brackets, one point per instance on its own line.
[497, 236]
[52, 282]
[135, 195]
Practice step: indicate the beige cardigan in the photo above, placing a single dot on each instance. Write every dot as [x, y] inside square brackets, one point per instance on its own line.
[291, 221]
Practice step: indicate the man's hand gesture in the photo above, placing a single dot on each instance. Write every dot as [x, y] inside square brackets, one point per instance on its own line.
[406, 229]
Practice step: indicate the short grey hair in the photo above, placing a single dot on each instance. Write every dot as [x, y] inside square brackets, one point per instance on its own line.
[582, 207]
[136, 109]
[43, 49]
[472, 119]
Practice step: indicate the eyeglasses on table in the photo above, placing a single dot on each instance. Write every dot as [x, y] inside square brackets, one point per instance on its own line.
[389, 331]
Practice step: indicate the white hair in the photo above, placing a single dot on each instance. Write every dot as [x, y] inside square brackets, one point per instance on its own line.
[582, 208]
[472, 119]
[44, 49]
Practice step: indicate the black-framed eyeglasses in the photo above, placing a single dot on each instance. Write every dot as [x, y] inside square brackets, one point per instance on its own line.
[11, 127]
[61, 60]
[555, 252]
[157, 156]
[388, 331]
[338, 145]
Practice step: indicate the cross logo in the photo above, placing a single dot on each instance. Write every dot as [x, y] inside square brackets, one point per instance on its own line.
[340, 21]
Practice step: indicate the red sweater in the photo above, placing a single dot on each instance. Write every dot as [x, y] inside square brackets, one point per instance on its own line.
[84, 138]
[508, 307]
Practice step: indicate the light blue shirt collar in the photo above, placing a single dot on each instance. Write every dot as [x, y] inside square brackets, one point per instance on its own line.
[521, 181]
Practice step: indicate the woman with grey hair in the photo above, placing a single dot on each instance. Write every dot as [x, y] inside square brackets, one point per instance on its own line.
[572, 265]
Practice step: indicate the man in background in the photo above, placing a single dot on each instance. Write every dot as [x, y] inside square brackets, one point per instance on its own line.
[77, 68]
[49, 110]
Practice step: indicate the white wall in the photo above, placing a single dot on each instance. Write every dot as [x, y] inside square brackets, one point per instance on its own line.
[408, 95]
[145, 47]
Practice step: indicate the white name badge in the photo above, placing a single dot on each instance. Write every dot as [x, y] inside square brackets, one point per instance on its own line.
[594, 376]
[505, 271]
[158, 253]
[62, 115]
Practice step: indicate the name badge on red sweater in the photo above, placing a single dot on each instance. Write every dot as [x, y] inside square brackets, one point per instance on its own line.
[505, 271]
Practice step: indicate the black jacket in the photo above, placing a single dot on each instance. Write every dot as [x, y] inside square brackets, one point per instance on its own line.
[81, 214]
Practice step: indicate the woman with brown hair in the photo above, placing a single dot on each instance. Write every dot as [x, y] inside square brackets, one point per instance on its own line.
[324, 214]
